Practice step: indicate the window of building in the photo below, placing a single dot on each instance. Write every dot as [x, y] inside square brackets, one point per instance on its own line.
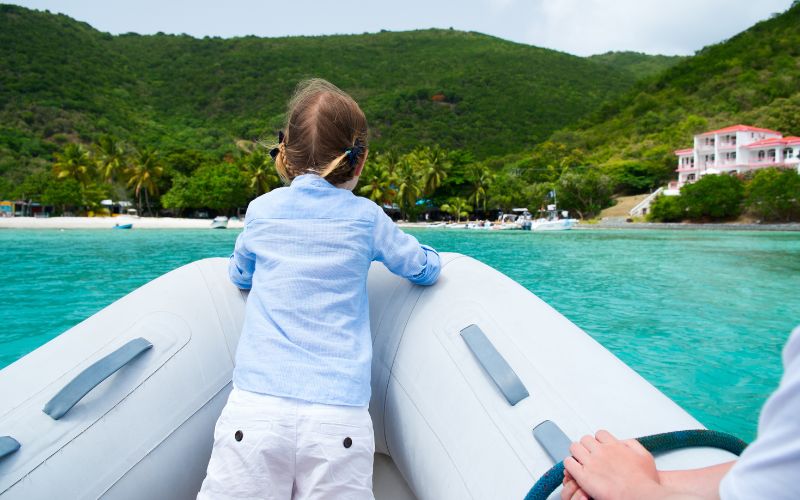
[771, 154]
[690, 177]
[762, 154]
[788, 153]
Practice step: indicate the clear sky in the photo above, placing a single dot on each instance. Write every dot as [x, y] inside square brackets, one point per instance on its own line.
[581, 27]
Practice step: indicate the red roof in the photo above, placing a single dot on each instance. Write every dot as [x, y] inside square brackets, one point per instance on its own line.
[684, 151]
[774, 141]
[741, 128]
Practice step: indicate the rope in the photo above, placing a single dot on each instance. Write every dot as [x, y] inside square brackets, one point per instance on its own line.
[657, 443]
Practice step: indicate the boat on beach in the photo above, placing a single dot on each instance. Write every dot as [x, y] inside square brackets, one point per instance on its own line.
[466, 377]
[123, 226]
[219, 222]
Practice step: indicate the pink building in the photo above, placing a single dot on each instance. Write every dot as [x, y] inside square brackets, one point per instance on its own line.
[735, 149]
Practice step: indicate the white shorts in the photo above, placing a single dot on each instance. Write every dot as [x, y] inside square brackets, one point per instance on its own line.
[267, 447]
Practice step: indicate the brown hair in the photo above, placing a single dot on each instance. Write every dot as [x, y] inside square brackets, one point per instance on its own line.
[326, 134]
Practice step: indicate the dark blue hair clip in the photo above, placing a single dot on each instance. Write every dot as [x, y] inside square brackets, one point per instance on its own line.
[354, 152]
[274, 151]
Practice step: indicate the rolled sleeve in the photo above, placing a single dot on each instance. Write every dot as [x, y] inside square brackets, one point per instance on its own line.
[402, 253]
[241, 264]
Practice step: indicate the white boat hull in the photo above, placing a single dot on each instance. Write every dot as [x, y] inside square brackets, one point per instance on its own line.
[443, 430]
[552, 225]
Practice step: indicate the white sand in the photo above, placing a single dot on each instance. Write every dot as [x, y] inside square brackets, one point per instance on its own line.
[108, 223]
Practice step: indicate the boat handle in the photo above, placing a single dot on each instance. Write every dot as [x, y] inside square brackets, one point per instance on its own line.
[553, 440]
[495, 365]
[89, 378]
[8, 445]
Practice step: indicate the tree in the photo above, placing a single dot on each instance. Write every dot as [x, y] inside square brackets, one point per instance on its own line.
[667, 209]
[457, 207]
[479, 178]
[409, 187]
[109, 157]
[376, 182]
[219, 186]
[260, 171]
[773, 195]
[585, 193]
[713, 197]
[179, 197]
[434, 164]
[73, 163]
[142, 175]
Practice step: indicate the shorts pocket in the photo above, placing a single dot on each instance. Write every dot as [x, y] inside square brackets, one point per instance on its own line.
[348, 450]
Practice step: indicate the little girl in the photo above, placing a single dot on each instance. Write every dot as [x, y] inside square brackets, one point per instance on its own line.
[296, 424]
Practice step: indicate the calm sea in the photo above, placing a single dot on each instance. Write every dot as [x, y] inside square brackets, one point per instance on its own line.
[701, 314]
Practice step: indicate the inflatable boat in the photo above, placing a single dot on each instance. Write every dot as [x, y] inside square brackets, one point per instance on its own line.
[477, 388]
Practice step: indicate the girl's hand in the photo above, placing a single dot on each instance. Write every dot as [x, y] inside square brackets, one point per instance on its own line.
[605, 467]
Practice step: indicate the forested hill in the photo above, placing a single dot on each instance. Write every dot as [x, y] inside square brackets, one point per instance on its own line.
[752, 78]
[63, 81]
[638, 64]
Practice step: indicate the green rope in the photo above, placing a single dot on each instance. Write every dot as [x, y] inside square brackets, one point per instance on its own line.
[657, 443]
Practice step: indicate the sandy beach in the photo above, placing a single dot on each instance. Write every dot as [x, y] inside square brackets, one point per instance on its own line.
[108, 223]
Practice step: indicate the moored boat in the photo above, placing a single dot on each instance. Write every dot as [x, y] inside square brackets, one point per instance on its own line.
[219, 222]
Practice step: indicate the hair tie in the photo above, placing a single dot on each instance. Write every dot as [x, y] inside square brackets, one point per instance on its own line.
[274, 151]
[353, 152]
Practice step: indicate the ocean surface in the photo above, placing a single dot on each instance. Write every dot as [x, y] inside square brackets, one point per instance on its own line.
[702, 315]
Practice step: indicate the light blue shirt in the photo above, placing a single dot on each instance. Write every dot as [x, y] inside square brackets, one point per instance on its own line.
[305, 252]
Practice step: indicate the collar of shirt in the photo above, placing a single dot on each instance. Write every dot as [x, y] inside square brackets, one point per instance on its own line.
[311, 180]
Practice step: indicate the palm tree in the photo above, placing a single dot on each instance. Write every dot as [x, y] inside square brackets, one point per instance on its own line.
[73, 163]
[409, 185]
[457, 207]
[435, 165]
[142, 175]
[377, 182]
[109, 157]
[259, 170]
[480, 179]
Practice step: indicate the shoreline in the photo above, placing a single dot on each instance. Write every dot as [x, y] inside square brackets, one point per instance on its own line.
[692, 226]
[65, 223]
[109, 222]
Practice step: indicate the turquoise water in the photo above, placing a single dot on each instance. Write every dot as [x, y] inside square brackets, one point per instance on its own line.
[701, 314]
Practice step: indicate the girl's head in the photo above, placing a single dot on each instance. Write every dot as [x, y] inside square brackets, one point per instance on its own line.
[326, 134]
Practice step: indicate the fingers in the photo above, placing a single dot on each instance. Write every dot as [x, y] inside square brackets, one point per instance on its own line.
[567, 477]
[569, 489]
[605, 437]
[574, 468]
[637, 447]
[590, 443]
[579, 495]
[578, 451]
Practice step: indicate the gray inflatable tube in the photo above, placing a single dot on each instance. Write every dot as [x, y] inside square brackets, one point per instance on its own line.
[124, 404]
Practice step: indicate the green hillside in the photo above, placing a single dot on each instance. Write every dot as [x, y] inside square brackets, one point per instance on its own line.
[752, 78]
[62, 81]
[639, 65]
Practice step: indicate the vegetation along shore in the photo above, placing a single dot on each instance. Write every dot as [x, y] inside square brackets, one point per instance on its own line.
[176, 125]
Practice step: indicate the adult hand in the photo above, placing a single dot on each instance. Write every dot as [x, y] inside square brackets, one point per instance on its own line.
[570, 489]
[604, 467]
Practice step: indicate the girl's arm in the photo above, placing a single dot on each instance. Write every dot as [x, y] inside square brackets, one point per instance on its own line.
[402, 254]
[242, 264]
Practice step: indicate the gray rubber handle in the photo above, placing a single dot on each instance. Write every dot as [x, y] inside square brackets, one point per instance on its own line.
[495, 365]
[8, 445]
[89, 378]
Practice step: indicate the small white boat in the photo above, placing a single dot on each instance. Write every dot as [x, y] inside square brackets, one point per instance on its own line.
[465, 376]
[552, 224]
[219, 222]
